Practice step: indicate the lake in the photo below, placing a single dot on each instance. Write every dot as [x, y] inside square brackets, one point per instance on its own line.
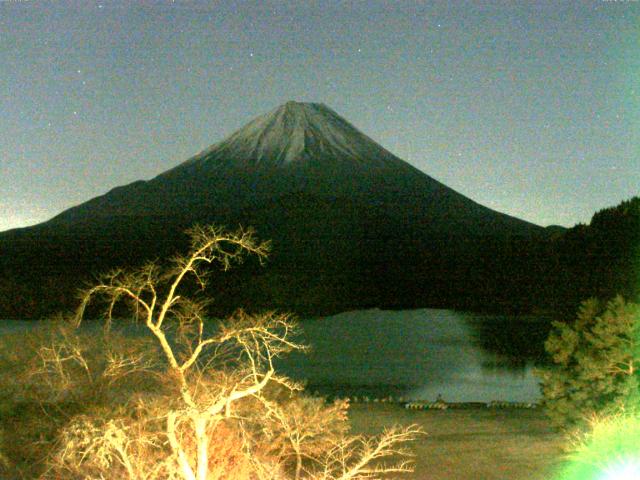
[415, 354]
[421, 354]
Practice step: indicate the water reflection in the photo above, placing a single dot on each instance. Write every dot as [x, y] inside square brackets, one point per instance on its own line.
[421, 354]
[510, 342]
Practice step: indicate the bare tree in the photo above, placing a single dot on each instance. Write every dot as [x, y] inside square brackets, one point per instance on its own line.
[224, 386]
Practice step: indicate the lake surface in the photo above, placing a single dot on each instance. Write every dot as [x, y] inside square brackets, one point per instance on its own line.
[420, 354]
[415, 354]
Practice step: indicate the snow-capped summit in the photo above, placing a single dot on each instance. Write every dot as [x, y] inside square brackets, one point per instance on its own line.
[296, 132]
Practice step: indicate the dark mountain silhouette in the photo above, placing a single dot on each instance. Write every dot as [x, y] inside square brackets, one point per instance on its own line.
[352, 225]
[601, 259]
[297, 149]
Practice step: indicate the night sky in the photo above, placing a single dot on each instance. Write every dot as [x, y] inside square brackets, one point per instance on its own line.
[530, 108]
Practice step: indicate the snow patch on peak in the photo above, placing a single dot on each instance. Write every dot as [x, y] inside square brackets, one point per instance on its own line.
[297, 132]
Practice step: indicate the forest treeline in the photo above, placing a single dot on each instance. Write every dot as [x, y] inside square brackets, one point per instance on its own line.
[40, 271]
[600, 260]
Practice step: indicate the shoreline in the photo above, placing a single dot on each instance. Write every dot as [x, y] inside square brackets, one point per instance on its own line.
[471, 443]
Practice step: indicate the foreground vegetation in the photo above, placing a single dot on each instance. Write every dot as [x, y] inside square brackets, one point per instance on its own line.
[173, 395]
[596, 360]
[592, 390]
[180, 399]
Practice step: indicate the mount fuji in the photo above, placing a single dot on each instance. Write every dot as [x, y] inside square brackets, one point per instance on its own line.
[296, 149]
[352, 224]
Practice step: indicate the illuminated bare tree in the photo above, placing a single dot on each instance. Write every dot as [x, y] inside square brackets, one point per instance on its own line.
[222, 372]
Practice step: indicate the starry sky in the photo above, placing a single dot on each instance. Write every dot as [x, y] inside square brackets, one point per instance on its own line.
[531, 108]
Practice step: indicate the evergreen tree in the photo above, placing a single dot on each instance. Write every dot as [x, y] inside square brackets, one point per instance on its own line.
[596, 361]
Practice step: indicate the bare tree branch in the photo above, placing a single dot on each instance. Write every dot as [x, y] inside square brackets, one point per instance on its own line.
[223, 375]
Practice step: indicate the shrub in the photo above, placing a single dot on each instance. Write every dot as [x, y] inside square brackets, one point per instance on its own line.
[53, 373]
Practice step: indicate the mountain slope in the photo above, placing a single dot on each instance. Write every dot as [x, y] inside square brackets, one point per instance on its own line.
[295, 148]
[351, 223]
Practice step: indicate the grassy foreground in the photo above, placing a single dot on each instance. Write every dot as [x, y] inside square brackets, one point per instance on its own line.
[473, 444]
